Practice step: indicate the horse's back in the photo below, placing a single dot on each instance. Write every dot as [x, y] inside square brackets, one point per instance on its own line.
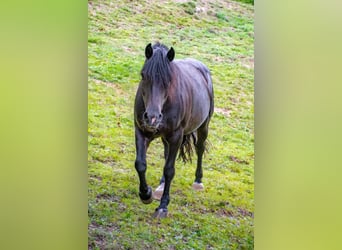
[195, 70]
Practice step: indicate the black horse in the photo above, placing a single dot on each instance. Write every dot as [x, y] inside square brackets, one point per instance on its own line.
[174, 101]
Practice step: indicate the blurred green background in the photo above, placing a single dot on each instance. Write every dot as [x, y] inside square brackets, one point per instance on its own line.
[298, 120]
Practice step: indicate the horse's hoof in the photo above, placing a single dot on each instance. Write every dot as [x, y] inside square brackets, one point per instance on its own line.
[148, 201]
[198, 186]
[160, 213]
[158, 193]
[146, 198]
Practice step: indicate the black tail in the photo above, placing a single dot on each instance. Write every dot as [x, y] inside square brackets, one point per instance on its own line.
[186, 149]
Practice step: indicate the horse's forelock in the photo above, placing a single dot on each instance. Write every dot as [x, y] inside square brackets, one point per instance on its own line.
[157, 68]
[161, 46]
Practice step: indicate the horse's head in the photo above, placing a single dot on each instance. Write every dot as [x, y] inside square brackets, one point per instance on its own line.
[156, 77]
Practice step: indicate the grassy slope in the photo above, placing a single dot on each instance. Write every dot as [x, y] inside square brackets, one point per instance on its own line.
[221, 217]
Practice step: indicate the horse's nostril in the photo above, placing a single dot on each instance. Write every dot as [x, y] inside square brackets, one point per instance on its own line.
[145, 116]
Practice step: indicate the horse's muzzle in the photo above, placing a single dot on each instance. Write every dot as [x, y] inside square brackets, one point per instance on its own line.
[152, 121]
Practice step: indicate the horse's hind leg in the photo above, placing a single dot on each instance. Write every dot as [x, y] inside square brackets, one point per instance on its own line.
[202, 134]
[157, 194]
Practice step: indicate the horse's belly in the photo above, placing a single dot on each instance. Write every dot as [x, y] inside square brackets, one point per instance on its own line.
[198, 116]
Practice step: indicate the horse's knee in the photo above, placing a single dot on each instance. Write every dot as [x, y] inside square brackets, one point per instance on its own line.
[140, 166]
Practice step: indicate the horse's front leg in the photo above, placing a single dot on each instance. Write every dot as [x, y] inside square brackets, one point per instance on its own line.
[157, 194]
[141, 144]
[174, 141]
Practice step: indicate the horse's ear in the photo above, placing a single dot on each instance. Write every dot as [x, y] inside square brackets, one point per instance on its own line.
[171, 54]
[148, 51]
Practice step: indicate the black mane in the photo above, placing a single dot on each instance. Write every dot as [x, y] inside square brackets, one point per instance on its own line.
[157, 68]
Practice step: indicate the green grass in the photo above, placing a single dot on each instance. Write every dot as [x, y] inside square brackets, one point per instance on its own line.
[218, 33]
